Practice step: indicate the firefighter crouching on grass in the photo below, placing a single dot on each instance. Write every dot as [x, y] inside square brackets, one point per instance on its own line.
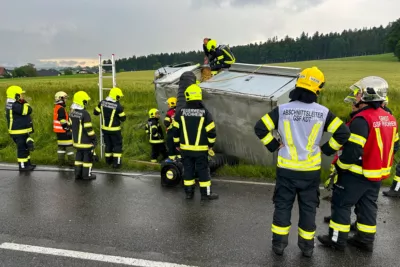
[62, 129]
[173, 153]
[155, 135]
[19, 124]
[195, 135]
[300, 123]
[366, 160]
[83, 135]
[112, 115]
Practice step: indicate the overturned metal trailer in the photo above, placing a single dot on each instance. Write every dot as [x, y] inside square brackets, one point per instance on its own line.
[237, 98]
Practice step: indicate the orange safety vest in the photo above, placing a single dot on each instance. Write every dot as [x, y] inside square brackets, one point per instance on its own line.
[57, 128]
[377, 159]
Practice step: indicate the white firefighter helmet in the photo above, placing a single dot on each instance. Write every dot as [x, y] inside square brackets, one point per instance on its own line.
[372, 89]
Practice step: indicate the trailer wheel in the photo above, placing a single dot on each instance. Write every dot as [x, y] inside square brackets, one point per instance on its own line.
[171, 173]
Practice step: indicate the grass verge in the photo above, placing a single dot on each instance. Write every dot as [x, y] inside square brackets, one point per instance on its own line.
[139, 98]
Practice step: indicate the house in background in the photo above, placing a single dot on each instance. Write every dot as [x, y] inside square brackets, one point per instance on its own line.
[49, 72]
[85, 71]
[4, 73]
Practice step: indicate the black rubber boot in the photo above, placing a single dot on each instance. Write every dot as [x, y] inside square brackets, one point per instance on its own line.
[355, 242]
[308, 253]
[207, 194]
[109, 160]
[189, 190]
[25, 167]
[189, 195]
[211, 196]
[78, 171]
[32, 165]
[279, 243]
[278, 250]
[117, 162]
[90, 177]
[327, 241]
[392, 191]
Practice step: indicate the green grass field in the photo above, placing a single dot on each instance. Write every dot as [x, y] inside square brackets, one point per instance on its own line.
[139, 98]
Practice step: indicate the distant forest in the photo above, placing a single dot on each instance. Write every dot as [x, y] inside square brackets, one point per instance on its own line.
[358, 42]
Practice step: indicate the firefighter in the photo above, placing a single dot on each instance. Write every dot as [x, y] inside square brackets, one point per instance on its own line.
[62, 129]
[360, 174]
[168, 122]
[195, 135]
[112, 115]
[84, 138]
[219, 56]
[20, 126]
[300, 124]
[354, 98]
[155, 135]
[187, 78]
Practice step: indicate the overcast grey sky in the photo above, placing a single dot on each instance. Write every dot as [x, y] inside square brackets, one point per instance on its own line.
[77, 30]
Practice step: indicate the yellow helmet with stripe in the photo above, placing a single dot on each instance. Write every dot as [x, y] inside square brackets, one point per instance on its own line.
[115, 93]
[81, 98]
[193, 92]
[311, 79]
[172, 102]
[153, 112]
[14, 92]
[211, 45]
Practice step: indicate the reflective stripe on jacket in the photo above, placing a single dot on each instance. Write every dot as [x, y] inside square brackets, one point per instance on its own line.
[57, 124]
[378, 148]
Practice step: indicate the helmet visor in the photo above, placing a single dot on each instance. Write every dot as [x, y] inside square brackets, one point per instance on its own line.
[353, 97]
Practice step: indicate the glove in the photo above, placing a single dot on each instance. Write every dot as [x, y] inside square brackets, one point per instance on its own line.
[29, 143]
[211, 152]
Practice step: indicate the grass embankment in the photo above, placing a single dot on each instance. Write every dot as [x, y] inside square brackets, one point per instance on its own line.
[139, 98]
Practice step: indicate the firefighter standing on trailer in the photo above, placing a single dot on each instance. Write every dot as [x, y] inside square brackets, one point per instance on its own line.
[300, 123]
[195, 135]
[83, 135]
[155, 135]
[219, 56]
[173, 153]
[112, 116]
[62, 129]
[20, 126]
[366, 160]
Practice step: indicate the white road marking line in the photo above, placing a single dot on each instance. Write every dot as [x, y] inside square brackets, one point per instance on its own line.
[241, 182]
[89, 256]
[151, 175]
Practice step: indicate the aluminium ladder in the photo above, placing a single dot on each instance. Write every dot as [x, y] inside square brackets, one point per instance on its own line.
[101, 89]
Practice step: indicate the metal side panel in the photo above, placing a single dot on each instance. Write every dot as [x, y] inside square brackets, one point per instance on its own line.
[173, 74]
[235, 118]
[265, 69]
[248, 84]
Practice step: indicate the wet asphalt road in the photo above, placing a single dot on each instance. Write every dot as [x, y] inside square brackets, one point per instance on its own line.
[137, 218]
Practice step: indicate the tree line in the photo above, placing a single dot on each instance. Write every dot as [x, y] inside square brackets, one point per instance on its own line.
[357, 42]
